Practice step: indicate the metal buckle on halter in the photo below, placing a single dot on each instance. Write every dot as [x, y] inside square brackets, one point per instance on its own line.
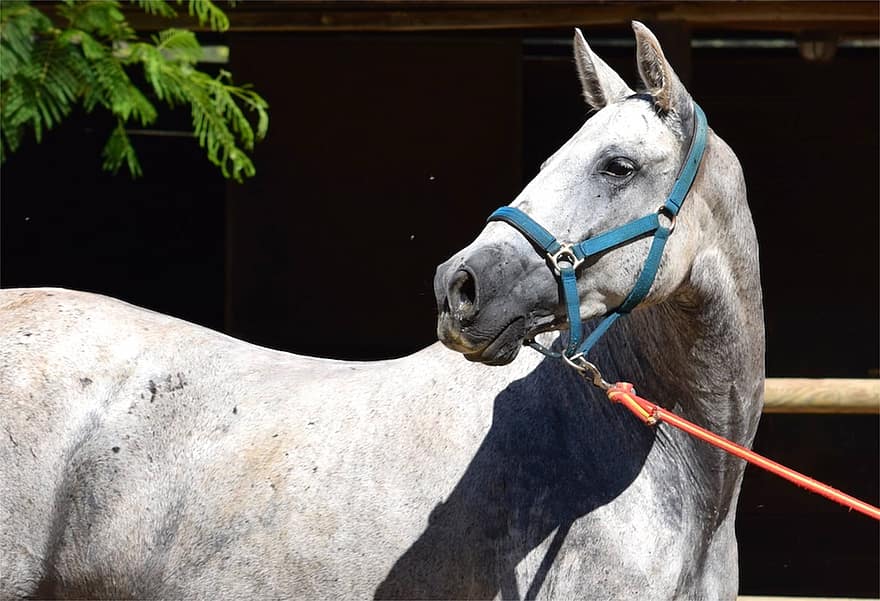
[565, 254]
[589, 371]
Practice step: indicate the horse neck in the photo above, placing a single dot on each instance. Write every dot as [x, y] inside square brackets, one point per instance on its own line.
[702, 350]
[698, 361]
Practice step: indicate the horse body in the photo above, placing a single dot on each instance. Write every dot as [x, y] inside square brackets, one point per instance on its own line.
[162, 444]
[147, 457]
[166, 460]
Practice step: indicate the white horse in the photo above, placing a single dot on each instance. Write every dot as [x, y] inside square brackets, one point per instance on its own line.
[142, 456]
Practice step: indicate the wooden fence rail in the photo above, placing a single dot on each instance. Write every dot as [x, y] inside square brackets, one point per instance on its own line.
[808, 395]
[774, 598]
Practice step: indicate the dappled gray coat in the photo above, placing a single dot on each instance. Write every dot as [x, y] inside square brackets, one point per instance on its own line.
[142, 456]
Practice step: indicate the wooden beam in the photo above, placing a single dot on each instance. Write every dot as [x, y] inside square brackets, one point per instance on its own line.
[807, 395]
[774, 598]
[844, 17]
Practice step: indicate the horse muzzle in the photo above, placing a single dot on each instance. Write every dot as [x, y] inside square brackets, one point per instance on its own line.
[483, 311]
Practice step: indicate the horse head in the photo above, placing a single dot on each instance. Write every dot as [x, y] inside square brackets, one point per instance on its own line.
[618, 168]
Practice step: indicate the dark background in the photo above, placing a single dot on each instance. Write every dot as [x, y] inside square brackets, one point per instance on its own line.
[385, 155]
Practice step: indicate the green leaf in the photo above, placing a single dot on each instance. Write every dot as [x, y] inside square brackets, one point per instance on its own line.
[178, 45]
[159, 8]
[20, 23]
[102, 18]
[45, 71]
[119, 150]
[45, 90]
[207, 12]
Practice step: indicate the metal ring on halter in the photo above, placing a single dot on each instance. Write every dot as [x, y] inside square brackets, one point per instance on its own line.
[564, 255]
[589, 371]
[669, 215]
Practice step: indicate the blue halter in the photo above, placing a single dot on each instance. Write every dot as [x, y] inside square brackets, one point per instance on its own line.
[565, 258]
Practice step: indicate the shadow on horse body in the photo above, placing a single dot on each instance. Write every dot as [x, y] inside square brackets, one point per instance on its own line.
[543, 464]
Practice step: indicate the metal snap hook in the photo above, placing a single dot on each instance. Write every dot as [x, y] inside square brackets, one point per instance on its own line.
[588, 370]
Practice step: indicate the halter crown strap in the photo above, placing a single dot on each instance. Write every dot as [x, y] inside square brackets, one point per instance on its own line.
[688, 172]
[565, 258]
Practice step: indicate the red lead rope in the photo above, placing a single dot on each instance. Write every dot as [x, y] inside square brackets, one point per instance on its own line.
[650, 413]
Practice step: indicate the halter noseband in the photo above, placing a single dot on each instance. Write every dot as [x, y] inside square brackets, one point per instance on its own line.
[565, 258]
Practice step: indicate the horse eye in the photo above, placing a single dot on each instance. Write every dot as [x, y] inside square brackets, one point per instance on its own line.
[618, 167]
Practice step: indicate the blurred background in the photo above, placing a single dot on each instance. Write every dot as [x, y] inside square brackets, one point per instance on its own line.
[397, 127]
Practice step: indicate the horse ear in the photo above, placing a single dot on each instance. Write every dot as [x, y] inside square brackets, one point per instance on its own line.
[601, 84]
[658, 76]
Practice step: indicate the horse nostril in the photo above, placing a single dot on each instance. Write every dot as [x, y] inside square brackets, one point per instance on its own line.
[462, 297]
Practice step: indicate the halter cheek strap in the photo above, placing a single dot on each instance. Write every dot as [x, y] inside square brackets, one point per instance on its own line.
[564, 259]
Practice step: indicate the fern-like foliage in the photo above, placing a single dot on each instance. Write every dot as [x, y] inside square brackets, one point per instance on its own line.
[47, 70]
